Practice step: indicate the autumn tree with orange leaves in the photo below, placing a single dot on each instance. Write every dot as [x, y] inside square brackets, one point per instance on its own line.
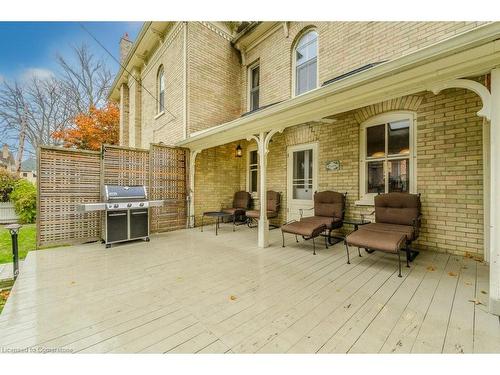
[90, 131]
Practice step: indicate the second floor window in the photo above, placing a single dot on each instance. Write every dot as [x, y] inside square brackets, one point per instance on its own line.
[161, 90]
[306, 63]
[254, 84]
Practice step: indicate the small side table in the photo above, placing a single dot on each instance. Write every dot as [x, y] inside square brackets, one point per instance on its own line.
[356, 222]
[218, 215]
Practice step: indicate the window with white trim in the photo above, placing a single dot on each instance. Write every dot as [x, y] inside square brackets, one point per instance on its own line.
[253, 172]
[254, 87]
[387, 155]
[306, 63]
[161, 89]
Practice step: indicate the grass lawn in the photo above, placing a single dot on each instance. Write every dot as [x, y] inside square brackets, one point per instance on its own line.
[5, 287]
[26, 239]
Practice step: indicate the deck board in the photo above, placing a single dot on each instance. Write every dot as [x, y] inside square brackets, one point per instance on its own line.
[194, 292]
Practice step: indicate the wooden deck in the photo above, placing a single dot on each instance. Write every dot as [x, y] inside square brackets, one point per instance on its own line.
[193, 292]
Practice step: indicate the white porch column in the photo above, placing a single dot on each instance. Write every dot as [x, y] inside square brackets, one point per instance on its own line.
[192, 164]
[262, 149]
[494, 304]
[263, 240]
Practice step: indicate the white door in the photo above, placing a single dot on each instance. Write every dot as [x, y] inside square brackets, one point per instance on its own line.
[302, 167]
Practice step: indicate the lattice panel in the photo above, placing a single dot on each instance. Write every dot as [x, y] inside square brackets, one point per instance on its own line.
[67, 178]
[125, 166]
[168, 181]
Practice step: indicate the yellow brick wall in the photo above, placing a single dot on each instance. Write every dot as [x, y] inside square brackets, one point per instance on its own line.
[343, 46]
[214, 89]
[449, 166]
[167, 128]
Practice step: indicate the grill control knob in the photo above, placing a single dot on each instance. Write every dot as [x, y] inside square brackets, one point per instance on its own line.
[129, 205]
[141, 204]
[115, 205]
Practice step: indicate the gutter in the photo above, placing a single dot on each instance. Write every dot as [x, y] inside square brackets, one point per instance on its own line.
[453, 45]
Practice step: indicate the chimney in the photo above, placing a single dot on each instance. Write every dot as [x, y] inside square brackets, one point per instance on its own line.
[125, 46]
[5, 151]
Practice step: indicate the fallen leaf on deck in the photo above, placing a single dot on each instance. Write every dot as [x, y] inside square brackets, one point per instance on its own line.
[452, 274]
[232, 298]
[73, 282]
[468, 283]
[476, 301]
[484, 292]
[431, 268]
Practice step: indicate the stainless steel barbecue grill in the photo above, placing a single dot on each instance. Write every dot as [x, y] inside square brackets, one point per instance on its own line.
[127, 213]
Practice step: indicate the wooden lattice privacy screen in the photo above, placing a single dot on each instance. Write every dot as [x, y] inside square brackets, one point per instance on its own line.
[70, 177]
[65, 179]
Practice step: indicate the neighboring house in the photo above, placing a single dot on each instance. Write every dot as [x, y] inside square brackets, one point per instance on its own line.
[7, 160]
[399, 106]
[28, 170]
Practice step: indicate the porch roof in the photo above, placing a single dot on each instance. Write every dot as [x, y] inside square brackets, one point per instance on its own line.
[468, 54]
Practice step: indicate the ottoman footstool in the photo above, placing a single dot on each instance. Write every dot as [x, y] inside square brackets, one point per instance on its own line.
[388, 242]
[308, 231]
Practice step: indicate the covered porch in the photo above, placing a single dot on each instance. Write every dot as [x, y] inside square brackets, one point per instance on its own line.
[215, 297]
[468, 62]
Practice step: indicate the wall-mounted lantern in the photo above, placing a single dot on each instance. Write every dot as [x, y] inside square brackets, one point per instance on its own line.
[239, 152]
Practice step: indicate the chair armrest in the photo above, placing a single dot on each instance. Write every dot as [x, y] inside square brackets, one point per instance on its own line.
[301, 211]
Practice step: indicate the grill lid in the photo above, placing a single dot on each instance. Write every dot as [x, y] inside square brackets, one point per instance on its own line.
[114, 192]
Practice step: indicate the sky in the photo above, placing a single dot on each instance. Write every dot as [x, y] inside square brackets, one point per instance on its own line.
[30, 48]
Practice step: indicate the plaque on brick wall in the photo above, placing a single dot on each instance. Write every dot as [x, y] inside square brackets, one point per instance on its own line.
[333, 165]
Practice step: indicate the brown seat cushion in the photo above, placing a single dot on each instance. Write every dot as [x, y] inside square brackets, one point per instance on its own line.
[241, 199]
[255, 214]
[397, 208]
[329, 203]
[303, 228]
[330, 222]
[407, 230]
[234, 211]
[390, 242]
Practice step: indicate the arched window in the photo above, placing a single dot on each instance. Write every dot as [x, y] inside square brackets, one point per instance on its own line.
[306, 62]
[161, 89]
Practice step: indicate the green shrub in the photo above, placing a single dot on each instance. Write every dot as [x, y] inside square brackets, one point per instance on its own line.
[24, 198]
[7, 182]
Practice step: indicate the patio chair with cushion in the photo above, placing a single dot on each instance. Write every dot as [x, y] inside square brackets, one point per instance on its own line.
[241, 203]
[397, 225]
[273, 206]
[329, 209]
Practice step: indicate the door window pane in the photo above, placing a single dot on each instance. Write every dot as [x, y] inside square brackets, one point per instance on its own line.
[398, 134]
[375, 141]
[375, 173]
[253, 181]
[253, 171]
[399, 175]
[302, 174]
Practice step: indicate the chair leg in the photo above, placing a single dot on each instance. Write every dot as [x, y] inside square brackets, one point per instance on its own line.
[314, 247]
[399, 263]
[408, 256]
[283, 237]
[347, 251]
[234, 222]
[296, 239]
[326, 242]
[359, 252]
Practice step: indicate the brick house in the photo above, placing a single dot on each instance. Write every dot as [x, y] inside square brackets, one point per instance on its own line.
[356, 107]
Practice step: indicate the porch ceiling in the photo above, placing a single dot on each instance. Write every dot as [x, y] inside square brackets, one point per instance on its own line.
[468, 54]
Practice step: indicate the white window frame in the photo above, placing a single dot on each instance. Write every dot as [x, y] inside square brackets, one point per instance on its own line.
[250, 149]
[160, 73]
[367, 199]
[294, 62]
[249, 84]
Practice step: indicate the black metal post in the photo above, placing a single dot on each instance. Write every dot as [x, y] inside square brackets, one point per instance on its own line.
[14, 230]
